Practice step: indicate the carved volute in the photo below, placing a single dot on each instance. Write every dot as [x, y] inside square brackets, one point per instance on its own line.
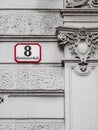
[80, 3]
[82, 43]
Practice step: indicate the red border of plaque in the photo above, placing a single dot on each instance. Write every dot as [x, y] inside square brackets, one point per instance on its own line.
[27, 43]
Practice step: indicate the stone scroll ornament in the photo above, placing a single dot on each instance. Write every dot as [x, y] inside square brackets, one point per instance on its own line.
[81, 3]
[1, 100]
[81, 42]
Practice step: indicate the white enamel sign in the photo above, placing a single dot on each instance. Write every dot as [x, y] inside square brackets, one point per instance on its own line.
[27, 53]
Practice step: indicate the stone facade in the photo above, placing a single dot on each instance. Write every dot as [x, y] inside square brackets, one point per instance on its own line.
[31, 95]
[59, 93]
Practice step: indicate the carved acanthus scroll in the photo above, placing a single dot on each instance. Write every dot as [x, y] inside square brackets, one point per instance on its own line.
[1, 100]
[76, 3]
[81, 3]
[95, 3]
[82, 43]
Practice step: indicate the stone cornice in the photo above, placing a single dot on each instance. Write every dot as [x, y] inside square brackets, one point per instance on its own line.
[75, 11]
[82, 43]
[69, 29]
[26, 38]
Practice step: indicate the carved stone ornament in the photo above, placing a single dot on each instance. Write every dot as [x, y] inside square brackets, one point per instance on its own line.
[80, 3]
[95, 3]
[1, 100]
[81, 42]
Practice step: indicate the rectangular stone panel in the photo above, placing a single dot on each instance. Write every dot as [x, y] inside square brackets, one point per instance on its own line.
[30, 106]
[29, 22]
[81, 95]
[31, 77]
[32, 125]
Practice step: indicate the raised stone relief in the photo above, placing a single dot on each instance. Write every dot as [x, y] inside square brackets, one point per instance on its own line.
[95, 3]
[29, 77]
[81, 3]
[1, 100]
[81, 42]
[89, 70]
[76, 3]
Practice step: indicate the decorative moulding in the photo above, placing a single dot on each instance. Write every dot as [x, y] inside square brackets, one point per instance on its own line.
[26, 38]
[77, 70]
[79, 12]
[82, 43]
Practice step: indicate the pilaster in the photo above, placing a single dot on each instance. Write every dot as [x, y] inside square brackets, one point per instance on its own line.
[79, 38]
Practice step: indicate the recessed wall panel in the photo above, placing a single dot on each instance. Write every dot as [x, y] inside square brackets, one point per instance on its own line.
[29, 106]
